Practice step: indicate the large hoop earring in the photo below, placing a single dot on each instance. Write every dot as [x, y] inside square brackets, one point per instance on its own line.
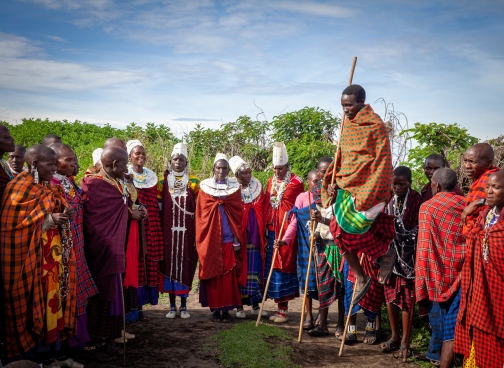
[35, 174]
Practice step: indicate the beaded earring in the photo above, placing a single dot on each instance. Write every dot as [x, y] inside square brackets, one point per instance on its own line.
[35, 174]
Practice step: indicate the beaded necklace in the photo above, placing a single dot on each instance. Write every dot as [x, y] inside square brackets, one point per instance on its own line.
[278, 188]
[6, 168]
[119, 184]
[491, 220]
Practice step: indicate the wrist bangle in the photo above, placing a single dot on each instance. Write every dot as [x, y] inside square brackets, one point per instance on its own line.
[236, 244]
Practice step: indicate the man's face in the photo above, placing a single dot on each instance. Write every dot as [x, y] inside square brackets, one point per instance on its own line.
[351, 106]
[474, 164]
[6, 141]
[65, 164]
[322, 168]
[495, 190]
[400, 185]
[431, 166]
[280, 171]
[120, 167]
[313, 180]
[221, 170]
[16, 159]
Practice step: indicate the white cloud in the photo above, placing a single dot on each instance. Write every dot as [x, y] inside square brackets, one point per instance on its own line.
[56, 38]
[13, 46]
[314, 8]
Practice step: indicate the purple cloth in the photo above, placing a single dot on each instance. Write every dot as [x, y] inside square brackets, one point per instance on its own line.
[104, 241]
[147, 295]
[174, 287]
[227, 232]
[252, 230]
[116, 305]
[82, 336]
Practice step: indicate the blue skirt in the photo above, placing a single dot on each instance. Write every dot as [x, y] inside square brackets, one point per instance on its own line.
[283, 286]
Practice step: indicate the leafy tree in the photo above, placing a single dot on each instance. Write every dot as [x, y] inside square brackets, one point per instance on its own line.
[448, 140]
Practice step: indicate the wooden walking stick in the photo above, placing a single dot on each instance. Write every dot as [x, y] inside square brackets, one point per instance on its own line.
[312, 240]
[275, 252]
[124, 320]
[349, 314]
[343, 118]
[408, 332]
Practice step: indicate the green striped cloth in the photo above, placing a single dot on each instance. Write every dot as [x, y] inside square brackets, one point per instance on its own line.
[334, 258]
[349, 219]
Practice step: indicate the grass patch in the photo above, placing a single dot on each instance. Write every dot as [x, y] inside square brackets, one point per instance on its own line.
[247, 346]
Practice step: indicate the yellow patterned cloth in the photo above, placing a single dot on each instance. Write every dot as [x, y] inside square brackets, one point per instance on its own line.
[193, 184]
[470, 361]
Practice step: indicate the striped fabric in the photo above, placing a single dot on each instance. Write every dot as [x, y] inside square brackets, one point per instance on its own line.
[328, 284]
[303, 257]
[400, 291]
[283, 286]
[252, 289]
[349, 219]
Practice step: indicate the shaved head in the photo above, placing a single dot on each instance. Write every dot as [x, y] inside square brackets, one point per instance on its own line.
[115, 142]
[446, 178]
[111, 154]
[38, 152]
[50, 139]
[499, 176]
[61, 149]
[483, 151]
[312, 174]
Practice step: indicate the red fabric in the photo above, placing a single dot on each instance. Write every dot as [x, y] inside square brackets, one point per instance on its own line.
[105, 228]
[209, 242]
[481, 305]
[223, 291]
[426, 192]
[132, 249]
[373, 243]
[400, 291]
[375, 296]
[286, 260]
[440, 248]
[477, 191]
[153, 235]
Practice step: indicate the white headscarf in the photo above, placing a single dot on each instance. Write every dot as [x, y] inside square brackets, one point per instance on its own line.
[280, 156]
[221, 156]
[132, 144]
[179, 149]
[97, 155]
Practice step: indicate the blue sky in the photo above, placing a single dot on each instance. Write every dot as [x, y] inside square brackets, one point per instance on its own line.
[181, 63]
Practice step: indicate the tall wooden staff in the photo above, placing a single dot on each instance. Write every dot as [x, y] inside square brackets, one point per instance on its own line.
[312, 243]
[342, 123]
[275, 252]
[349, 314]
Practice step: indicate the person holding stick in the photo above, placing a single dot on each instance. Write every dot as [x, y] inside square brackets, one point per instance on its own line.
[252, 195]
[281, 193]
[300, 225]
[362, 173]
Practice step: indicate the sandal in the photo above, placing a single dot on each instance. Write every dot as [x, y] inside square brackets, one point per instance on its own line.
[308, 325]
[371, 336]
[387, 262]
[226, 318]
[216, 317]
[389, 346]
[319, 332]
[339, 332]
[360, 292]
[400, 353]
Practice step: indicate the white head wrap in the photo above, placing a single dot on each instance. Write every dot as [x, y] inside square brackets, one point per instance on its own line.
[236, 162]
[220, 156]
[97, 155]
[179, 149]
[280, 157]
[132, 144]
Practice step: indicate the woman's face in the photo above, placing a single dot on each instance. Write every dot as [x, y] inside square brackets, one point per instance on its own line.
[244, 176]
[178, 162]
[221, 170]
[46, 166]
[138, 156]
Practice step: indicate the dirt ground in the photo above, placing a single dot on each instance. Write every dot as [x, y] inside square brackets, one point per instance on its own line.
[175, 343]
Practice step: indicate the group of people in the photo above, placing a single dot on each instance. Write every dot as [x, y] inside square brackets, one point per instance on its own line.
[79, 260]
